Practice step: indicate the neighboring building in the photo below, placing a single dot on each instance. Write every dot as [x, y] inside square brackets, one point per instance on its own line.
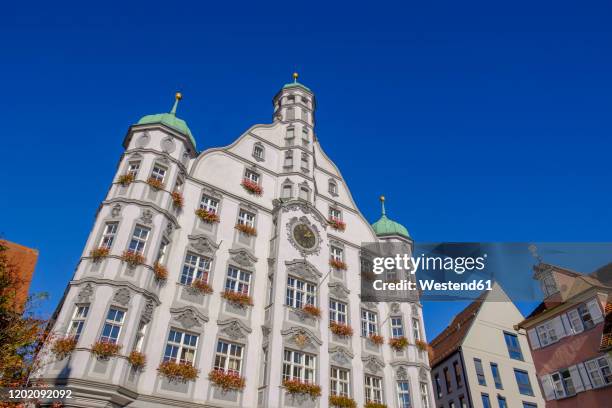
[481, 361]
[569, 337]
[279, 214]
[23, 259]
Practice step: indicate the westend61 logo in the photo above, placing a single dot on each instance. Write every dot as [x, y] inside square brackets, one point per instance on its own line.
[428, 263]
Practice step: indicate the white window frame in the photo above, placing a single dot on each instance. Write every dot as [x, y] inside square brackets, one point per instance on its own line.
[332, 187]
[288, 162]
[300, 293]
[403, 394]
[397, 327]
[237, 280]
[195, 266]
[298, 365]
[416, 328]
[115, 321]
[373, 389]
[140, 236]
[252, 175]
[599, 370]
[108, 234]
[140, 335]
[246, 218]
[228, 356]
[133, 167]
[547, 333]
[338, 311]
[339, 381]
[159, 172]
[335, 214]
[336, 253]
[424, 394]
[183, 346]
[369, 323]
[287, 191]
[162, 252]
[259, 151]
[79, 317]
[209, 204]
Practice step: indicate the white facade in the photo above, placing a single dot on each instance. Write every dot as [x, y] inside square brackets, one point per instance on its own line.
[300, 186]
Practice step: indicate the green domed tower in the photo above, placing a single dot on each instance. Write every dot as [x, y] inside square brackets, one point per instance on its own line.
[386, 227]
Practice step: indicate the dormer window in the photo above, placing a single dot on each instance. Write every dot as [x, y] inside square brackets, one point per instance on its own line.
[258, 151]
[548, 284]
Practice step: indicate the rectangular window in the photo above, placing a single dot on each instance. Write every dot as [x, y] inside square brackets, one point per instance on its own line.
[246, 218]
[305, 138]
[599, 371]
[480, 372]
[133, 168]
[332, 188]
[251, 175]
[501, 402]
[523, 382]
[424, 395]
[78, 321]
[585, 316]
[447, 381]
[416, 329]
[336, 253]
[335, 214]
[195, 267]
[403, 394]
[181, 347]
[496, 376]
[299, 366]
[228, 357]
[369, 323]
[339, 381]
[108, 236]
[304, 160]
[258, 152]
[140, 335]
[209, 204]
[373, 389]
[529, 405]
[438, 386]
[514, 348]
[458, 376]
[139, 239]
[486, 402]
[112, 326]
[300, 293]
[288, 158]
[462, 403]
[158, 173]
[397, 327]
[238, 281]
[337, 311]
[162, 252]
[547, 333]
[290, 114]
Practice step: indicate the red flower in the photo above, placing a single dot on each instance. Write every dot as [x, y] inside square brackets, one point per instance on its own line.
[237, 298]
[337, 224]
[398, 343]
[340, 329]
[336, 264]
[377, 339]
[99, 253]
[160, 271]
[201, 286]
[312, 310]
[155, 183]
[247, 229]
[207, 216]
[252, 187]
[179, 372]
[227, 380]
[177, 199]
[304, 388]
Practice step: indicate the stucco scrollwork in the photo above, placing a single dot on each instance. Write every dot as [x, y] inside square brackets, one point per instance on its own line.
[243, 257]
[372, 364]
[85, 294]
[202, 244]
[306, 208]
[146, 216]
[122, 296]
[341, 355]
[234, 329]
[338, 290]
[147, 313]
[423, 374]
[301, 338]
[143, 139]
[303, 269]
[395, 307]
[188, 317]
[168, 145]
[401, 373]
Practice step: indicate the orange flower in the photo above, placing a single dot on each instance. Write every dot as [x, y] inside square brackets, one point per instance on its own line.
[227, 381]
[340, 329]
[377, 339]
[312, 310]
[160, 271]
[177, 199]
[178, 372]
[126, 179]
[341, 401]
[237, 298]
[421, 345]
[207, 216]
[304, 388]
[247, 229]
[252, 187]
[336, 264]
[137, 359]
[132, 258]
[201, 286]
[372, 404]
[398, 343]
[155, 183]
[105, 349]
[337, 224]
[98, 253]
[63, 346]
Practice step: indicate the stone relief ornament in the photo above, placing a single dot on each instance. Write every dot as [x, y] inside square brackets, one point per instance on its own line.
[116, 210]
[147, 313]
[168, 145]
[338, 290]
[415, 310]
[143, 139]
[372, 364]
[202, 244]
[146, 216]
[301, 337]
[85, 294]
[340, 355]
[234, 329]
[187, 318]
[369, 305]
[305, 207]
[303, 269]
[169, 229]
[423, 374]
[243, 257]
[401, 373]
[122, 296]
[395, 307]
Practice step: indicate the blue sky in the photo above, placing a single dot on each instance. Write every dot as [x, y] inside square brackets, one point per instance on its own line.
[480, 121]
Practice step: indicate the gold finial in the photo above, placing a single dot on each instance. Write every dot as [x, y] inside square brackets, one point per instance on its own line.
[178, 96]
[382, 204]
[382, 198]
[295, 76]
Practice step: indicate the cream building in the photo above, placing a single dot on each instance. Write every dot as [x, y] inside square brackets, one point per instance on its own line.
[258, 222]
[481, 361]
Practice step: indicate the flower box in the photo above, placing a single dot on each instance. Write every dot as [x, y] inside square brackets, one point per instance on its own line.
[372, 404]
[178, 372]
[237, 298]
[337, 224]
[247, 229]
[207, 216]
[398, 343]
[177, 199]
[339, 329]
[421, 345]
[105, 349]
[137, 359]
[160, 271]
[252, 187]
[295, 387]
[155, 183]
[336, 264]
[132, 258]
[312, 310]
[341, 401]
[227, 381]
[98, 254]
[377, 339]
[63, 346]
[125, 179]
[201, 286]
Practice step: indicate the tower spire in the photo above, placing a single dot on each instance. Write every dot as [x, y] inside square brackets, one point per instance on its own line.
[177, 97]
[382, 204]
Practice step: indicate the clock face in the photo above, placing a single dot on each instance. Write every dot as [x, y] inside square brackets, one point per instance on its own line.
[304, 236]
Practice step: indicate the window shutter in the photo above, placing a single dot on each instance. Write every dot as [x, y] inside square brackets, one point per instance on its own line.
[566, 325]
[575, 321]
[558, 326]
[578, 386]
[533, 339]
[586, 381]
[595, 311]
[547, 387]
